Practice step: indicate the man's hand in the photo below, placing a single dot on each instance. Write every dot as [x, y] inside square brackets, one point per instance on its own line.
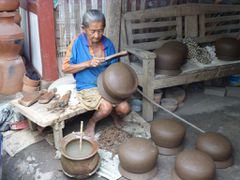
[96, 61]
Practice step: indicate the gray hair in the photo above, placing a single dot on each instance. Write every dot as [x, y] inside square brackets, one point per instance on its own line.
[93, 15]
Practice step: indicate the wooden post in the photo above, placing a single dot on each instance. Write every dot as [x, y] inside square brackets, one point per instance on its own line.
[191, 26]
[113, 19]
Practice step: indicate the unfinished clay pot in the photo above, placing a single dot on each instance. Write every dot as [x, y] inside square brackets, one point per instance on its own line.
[193, 165]
[169, 104]
[168, 135]
[138, 158]
[168, 61]
[9, 5]
[11, 74]
[17, 18]
[227, 49]
[178, 46]
[76, 163]
[217, 146]
[30, 82]
[11, 37]
[176, 93]
[117, 83]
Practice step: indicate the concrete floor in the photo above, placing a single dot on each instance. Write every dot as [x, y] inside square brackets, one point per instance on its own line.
[211, 113]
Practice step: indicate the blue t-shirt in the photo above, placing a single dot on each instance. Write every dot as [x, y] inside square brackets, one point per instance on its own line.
[87, 78]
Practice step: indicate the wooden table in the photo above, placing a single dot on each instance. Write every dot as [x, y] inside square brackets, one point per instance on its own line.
[39, 115]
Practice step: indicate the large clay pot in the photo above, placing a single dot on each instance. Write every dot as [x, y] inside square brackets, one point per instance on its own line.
[193, 165]
[227, 49]
[11, 37]
[178, 46]
[117, 83]
[168, 135]
[17, 18]
[217, 146]
[76, 164]
[138, 158]
[168, 61]
[9, 5]
[11, 75]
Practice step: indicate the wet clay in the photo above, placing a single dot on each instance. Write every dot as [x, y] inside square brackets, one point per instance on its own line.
[194, 165]
[111, 138]
[9, 5]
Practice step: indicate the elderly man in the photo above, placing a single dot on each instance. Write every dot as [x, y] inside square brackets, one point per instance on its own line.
[85, 60]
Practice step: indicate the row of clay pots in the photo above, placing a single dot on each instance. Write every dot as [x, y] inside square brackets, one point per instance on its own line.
[138, 156]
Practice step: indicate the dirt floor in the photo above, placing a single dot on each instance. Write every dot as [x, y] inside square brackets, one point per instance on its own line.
[211, 113]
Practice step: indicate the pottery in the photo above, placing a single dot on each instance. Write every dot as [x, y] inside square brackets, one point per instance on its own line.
[30, 82]
[11, 37]
[76, 163]
[176, 93]
[227, 49]
[169, 104]
[117, 83]
[17, 18]
[11, 75]
[9, 5]
[168, 135]
[29, 89]
[193, 165]
[138, 158]
[178, 46]
[217, 146]
[168, 61]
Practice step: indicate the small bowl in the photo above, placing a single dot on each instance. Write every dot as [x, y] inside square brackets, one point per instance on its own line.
[170, 104]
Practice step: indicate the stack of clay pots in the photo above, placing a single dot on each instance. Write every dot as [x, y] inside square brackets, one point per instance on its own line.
[11, 39]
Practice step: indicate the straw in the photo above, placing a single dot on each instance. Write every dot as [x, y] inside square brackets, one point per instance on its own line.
[81, 135]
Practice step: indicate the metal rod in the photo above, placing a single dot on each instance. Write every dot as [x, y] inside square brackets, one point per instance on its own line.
[173, 114]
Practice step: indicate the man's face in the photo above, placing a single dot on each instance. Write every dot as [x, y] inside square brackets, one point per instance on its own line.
[95, 31]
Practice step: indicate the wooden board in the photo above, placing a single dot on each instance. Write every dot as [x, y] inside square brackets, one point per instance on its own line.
[39, 114]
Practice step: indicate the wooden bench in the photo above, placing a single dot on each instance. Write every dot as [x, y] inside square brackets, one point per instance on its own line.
[145, 30]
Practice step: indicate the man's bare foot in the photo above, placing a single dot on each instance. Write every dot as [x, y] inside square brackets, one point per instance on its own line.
[89, 132]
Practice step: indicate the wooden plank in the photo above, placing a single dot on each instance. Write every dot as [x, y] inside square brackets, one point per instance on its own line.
[150, 45]
[222, 18]
[223, 27]
[104, 7]
[202, 27]
[83, 7]
[142, 4]
[153, 24]
[94, 4]
[129, 33]
[202, 74]
[134, 5]
[179, 27]
[162, 34]
[191, 26]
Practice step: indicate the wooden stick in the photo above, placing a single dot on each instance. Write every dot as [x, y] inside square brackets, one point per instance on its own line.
[81, 135]
[122, 53]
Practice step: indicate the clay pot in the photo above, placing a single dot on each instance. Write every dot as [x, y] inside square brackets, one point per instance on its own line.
[138, 158]
[169, 104]
[227, 49]
[193, 165]
[29, 89]
[217, 146]
[75, 165]
[11, 37]
[178, 46]
[117, 83]
[11, 75]
[176, 93]
[30, 82]
[17, 18]
[168, 135]
[168, 61]
[9, 5]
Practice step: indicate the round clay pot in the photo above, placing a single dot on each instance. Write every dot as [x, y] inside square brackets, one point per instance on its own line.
[168, 61]
[9, 5]
[74, 164]
[30, 82]
[227, 49]
[118, 81]
[11, 37]
[217, 146]
[178, 46]
[17, 18]
[194, 165]
[169, 104]
[138, 158]
[176, 93]
[11, 75]
[168, 135]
